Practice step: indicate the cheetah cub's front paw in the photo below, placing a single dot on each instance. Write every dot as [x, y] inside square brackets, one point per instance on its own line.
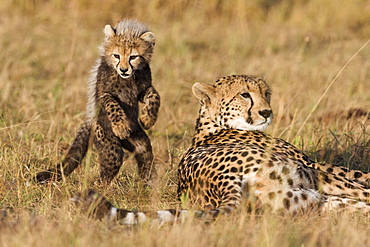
[146, 122]
[122, 131]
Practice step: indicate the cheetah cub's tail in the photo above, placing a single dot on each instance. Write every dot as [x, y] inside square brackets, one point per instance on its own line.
[97, 206]
[78, 149]
[73, 158]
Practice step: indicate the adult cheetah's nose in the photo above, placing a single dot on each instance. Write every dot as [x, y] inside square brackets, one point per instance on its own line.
[265, 113]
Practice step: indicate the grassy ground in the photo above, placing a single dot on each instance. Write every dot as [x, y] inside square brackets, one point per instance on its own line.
[48, 48]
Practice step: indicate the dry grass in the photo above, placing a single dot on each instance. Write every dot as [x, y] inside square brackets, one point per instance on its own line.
[48, 48]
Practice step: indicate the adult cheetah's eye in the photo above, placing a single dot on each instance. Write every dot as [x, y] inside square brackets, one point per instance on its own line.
[116, 56]
[245, 95]
[267, 94]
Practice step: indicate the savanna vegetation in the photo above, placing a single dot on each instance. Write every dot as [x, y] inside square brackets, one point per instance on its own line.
[314, 54]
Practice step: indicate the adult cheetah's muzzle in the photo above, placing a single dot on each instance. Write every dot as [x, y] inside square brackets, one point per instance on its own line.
[265, 113]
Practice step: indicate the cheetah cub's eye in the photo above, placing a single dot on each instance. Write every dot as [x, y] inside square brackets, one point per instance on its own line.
[116, 56]
[134, 57]
[245, 95]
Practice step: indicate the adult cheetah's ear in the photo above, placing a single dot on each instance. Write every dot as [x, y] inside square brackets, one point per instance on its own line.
[203, 92]
[148, 37]
[109, 31]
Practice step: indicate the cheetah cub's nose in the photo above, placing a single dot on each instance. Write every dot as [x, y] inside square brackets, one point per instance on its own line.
[265, 113]
[123, 70]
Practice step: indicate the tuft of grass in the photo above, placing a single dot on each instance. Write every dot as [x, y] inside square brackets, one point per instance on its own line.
[49, 47]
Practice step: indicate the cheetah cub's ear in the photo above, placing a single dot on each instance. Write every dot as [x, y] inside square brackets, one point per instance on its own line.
[148, 37]
[109, 32]
[203, 92]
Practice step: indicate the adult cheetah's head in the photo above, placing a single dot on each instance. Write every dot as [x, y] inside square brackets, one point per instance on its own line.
[236, 102]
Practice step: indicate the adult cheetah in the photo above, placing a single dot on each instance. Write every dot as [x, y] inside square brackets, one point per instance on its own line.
[232, 161]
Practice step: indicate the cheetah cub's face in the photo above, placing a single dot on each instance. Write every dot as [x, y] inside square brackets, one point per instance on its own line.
[126, 50]
[236, 102]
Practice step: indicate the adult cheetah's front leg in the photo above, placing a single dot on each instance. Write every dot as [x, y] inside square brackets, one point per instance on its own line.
[149, 112]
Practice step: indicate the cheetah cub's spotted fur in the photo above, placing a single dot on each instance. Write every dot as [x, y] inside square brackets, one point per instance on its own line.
[231, 161]
[119, 81]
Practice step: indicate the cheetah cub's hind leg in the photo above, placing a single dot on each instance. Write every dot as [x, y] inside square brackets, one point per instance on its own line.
[110, 153]
[139, 144]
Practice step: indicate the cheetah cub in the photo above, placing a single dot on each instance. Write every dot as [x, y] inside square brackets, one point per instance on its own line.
[120, 80]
